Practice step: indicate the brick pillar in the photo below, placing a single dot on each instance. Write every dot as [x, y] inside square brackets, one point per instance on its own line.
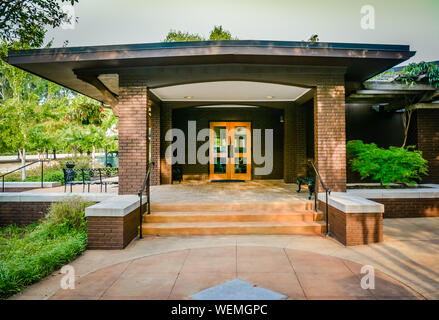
[155, 145]
[165, 125]
[301, 141]
[330, 136]
[133, 143]
[290, 175]
[428, 141]
[294, 143]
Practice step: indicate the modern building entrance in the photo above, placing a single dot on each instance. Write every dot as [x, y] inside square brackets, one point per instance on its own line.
[230, 151]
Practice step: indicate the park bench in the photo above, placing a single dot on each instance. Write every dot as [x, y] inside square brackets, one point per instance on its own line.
[100, 176]
[309, 181]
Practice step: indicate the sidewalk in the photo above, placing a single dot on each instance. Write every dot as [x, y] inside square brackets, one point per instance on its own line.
[297, 267]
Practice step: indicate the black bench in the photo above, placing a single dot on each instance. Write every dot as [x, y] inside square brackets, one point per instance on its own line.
[177, 173]
[311, 182]
[100, 176]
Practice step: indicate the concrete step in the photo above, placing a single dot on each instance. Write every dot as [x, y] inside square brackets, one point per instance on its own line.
[237, 216]
[215, 228]
[277, 207]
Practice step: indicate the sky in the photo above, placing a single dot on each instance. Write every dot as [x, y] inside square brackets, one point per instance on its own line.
[408, 22]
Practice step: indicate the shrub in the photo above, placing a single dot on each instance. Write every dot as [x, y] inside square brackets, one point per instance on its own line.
[393, 165]
[28, 254]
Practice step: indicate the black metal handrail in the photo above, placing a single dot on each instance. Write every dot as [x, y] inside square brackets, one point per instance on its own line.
[29, 164]
[146, 182]
[327, 191]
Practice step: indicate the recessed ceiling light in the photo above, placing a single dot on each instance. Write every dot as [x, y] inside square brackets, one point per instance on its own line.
[188, 97]
[269, 97]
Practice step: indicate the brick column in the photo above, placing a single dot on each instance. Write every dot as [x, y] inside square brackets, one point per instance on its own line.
[330, 136]
[133, 143]
[290, 175]
[165, 125]
[428, 141]
[155, 144]
[294, 143]
[301, 141]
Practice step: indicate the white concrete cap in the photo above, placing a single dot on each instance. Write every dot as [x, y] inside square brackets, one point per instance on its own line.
[51, 197]
[350, 203]
[416, 193]
[117, 206]
[31, 184]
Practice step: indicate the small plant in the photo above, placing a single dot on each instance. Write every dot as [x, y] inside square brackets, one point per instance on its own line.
[393, 165]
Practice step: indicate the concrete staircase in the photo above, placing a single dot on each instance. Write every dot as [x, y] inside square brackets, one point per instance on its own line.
[234, 218]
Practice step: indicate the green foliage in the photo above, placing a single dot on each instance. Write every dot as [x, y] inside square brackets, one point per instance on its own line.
[85, 111]
[28, 254]
[393, 165]
[180, 36]
[26, 21]
[419, 72]
[217, 33]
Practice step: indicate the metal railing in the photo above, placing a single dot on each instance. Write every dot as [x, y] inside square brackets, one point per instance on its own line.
[327, 191]
[146, 182]
[29, 164]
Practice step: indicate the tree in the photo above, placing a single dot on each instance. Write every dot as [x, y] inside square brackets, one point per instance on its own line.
[25, 21]
[87, 125]
[217, 33]
[180, 36]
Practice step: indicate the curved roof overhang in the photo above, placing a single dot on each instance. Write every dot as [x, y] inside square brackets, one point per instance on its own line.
[165, 64]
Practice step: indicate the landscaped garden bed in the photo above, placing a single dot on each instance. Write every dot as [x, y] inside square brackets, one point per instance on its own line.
[30, 253]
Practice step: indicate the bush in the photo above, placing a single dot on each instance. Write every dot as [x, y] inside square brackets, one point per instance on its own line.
[393, 165]
[28, 254]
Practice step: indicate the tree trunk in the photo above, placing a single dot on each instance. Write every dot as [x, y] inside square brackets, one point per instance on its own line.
[93, 151]
[23, 163]
[406, 121]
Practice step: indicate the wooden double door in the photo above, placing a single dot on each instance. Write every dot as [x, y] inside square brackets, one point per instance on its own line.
[230, 151]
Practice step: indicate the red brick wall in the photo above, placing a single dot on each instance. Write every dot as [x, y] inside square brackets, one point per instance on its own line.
[353, 229]
[22, 213]
[294, 143]
[410, 208]
[155, 145]
[133, 143]
[165, 125]
[112, 232]
[330, 136]
[428, 141]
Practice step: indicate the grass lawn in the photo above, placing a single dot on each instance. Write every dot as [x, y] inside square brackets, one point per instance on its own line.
[30, 253]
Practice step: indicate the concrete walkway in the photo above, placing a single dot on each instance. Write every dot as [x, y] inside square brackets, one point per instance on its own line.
[299, 267]
[208, 192]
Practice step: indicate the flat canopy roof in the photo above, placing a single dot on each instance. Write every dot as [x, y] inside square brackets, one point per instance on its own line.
[62, 65]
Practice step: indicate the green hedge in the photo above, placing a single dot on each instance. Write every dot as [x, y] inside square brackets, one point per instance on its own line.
[393, 165]
[28, 254]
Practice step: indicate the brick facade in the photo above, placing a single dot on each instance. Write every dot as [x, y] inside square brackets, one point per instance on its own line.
[353, 229]
[133, 142]
[330, 136]
[155, 145]
[165, 125]
[410, 208]
[294, 143]
[22, 213]
[106, 233]
[428, 141]
[260, 118]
